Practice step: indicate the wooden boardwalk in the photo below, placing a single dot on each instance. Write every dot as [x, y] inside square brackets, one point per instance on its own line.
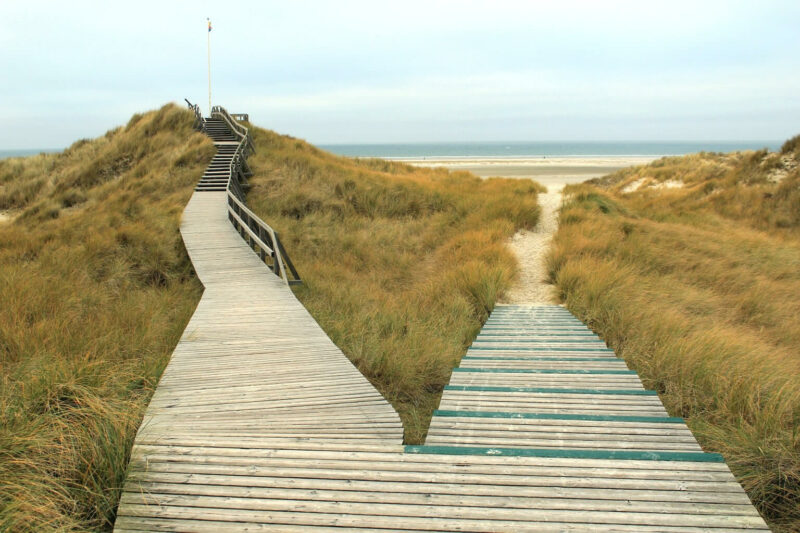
[252, 361]
[260, 423]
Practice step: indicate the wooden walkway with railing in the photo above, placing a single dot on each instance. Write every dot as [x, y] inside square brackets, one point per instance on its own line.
[260, 423]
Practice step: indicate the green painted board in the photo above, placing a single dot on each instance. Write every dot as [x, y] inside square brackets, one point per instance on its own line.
[542, 341]
[597, 359]
[542, 371]
[626, 392]
[700, 457]
[533, 349]
[536, 327]
[504, 320]
[554, 416]
[541, 334]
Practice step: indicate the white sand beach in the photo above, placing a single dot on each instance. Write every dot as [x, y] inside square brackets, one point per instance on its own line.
[549, 171]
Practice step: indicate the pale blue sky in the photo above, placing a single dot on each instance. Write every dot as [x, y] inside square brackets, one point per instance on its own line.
[371, 71]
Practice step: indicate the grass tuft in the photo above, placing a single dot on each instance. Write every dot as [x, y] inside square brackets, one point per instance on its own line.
[791, 146]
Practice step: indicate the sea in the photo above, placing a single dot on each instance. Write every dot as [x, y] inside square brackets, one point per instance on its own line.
[513, 150]
[26, 152]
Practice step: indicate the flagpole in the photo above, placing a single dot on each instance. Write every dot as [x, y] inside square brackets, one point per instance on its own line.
[209, 67]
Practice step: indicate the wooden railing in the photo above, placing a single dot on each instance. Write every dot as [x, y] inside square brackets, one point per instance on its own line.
[237, 129]
[263, 239]
[258, 234]
[199, 121]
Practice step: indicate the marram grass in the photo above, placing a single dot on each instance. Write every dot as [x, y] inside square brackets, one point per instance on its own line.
[697, 286]
[95, 290]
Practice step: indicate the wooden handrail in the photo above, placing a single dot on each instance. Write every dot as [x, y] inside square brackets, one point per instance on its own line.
[263, 238]
[257, 233]
[237, 128]
[199, 121]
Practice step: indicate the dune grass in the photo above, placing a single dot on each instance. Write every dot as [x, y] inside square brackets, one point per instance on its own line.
[401, 265]
[697, 286]
[95, 290]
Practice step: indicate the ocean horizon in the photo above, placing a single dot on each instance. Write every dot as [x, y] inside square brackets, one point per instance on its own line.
[510, 150]
[518, 149]
[25, 152]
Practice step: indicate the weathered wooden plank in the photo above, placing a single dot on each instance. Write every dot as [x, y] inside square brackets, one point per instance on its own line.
[377, 493]
[599, 496]
[432, 518]
[446, 471]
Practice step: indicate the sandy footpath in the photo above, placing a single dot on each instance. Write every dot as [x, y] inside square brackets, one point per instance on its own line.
[531, 247]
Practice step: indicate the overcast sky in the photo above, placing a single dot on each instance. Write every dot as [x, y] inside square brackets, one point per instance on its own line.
[374, 71]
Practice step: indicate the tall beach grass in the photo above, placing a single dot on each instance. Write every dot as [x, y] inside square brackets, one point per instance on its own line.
[690, 268]
[95, 290]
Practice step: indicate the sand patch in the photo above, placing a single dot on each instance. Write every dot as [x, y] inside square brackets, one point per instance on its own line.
[669, 184]
[531, 248]
[788, 164]
[5, 217]
[634, 186]
[648, 183]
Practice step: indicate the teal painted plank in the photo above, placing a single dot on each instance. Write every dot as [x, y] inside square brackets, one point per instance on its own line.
[542, 341]
[542, 371]
[508, 318]
[495, 316]
[697, 457]
[532, 349]
[529, 323]
[540, 334]
[532, 316]
[597, 359]
[553, 416]
[534, 330]
[482, 388]
[526, 313]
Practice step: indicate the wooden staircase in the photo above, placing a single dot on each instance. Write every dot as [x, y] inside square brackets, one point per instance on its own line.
[537, 379]
[216, 176]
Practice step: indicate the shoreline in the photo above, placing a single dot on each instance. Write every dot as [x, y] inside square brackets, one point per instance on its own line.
[467, 159]
[549, 171]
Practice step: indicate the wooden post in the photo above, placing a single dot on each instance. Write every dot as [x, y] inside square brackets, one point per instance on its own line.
[209, 66]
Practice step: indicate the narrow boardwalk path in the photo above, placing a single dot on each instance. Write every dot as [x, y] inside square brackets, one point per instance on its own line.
[260, 423]
[252, 361]
[537, 383]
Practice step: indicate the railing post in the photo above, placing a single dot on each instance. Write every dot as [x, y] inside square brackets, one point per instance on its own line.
[263, 253]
